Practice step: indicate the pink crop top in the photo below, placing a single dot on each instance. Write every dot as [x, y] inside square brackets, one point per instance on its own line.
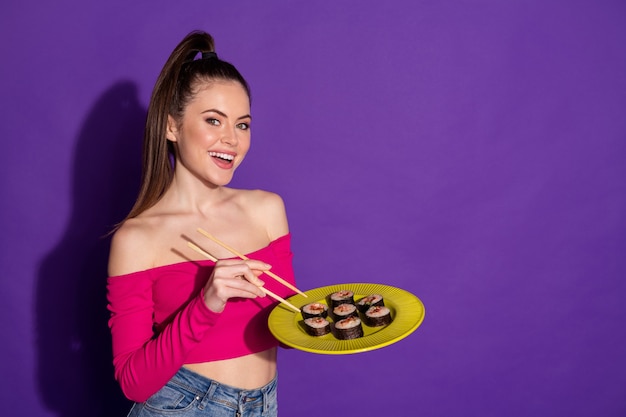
[159, 321]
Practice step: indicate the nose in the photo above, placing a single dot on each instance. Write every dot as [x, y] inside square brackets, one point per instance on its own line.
[230, 136]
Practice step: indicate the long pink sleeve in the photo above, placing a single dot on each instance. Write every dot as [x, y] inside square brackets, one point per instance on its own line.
[144, 364]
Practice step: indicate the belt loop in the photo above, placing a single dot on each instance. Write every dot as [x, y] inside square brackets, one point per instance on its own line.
[265, 401]
[208, 394]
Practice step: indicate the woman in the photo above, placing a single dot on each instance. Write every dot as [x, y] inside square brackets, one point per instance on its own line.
[190, 336]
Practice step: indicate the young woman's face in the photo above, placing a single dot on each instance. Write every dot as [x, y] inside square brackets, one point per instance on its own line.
[213, 136]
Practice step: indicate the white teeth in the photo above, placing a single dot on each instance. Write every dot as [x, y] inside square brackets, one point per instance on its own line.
[222, 155]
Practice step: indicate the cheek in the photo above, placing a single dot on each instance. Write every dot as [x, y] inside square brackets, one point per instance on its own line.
[243, 153]
[244, 147]
[244, 143]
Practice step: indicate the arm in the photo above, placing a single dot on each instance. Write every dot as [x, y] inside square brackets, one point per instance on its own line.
[144, 364]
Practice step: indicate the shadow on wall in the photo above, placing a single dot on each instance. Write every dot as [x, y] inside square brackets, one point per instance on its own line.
[75, 372]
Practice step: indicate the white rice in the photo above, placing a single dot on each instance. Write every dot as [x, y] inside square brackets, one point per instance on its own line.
[348, 323]
[316, 322]
[377, 311]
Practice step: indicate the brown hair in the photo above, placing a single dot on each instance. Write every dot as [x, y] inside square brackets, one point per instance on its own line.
[174, 88]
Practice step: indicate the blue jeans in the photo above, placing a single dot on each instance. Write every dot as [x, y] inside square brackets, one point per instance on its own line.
[188, 394]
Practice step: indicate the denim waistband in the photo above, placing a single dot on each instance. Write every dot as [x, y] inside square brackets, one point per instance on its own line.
[207, 389]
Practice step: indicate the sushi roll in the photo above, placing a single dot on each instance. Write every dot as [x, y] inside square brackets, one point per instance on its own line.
[370, 301]
[316, 326]
[314, 310]
[349, 328]
[341, 297]
[377, 316]
[343, 311]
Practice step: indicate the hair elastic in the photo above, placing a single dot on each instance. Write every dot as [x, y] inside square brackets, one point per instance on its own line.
[209, 55]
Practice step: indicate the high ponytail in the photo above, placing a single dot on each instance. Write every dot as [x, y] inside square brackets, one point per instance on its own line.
[192, 61]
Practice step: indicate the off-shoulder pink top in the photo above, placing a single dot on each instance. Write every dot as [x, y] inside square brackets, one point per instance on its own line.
[159, 321]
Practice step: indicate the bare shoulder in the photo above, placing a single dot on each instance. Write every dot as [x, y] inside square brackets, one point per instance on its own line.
[131, 247]
[268, 209]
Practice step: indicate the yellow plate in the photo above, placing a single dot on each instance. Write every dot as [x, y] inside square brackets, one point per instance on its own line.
[407, 312]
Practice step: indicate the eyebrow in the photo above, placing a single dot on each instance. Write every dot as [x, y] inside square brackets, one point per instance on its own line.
[221, 113]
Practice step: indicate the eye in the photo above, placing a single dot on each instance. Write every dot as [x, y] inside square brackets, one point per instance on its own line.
[213, 121]
[243, 126]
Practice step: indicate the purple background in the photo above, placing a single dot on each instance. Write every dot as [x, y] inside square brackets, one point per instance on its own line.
[471, 152]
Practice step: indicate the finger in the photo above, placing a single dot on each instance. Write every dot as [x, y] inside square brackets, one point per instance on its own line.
[220, 291]
[248, 270]
[251, 263]
[241, 284]
[253, 279]
[258, 265]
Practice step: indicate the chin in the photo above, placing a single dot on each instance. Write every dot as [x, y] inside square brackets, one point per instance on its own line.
[221, 182]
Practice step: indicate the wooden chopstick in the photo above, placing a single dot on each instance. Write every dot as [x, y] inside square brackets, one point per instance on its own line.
[201, 251]
[266, 291]
[244, 257]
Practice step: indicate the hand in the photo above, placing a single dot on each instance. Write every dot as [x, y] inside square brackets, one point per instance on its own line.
[233, 278]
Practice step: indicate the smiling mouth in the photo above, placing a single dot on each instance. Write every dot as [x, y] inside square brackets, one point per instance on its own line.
[223, 156]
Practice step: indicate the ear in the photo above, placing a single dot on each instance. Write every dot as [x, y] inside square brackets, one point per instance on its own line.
[171, 132]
